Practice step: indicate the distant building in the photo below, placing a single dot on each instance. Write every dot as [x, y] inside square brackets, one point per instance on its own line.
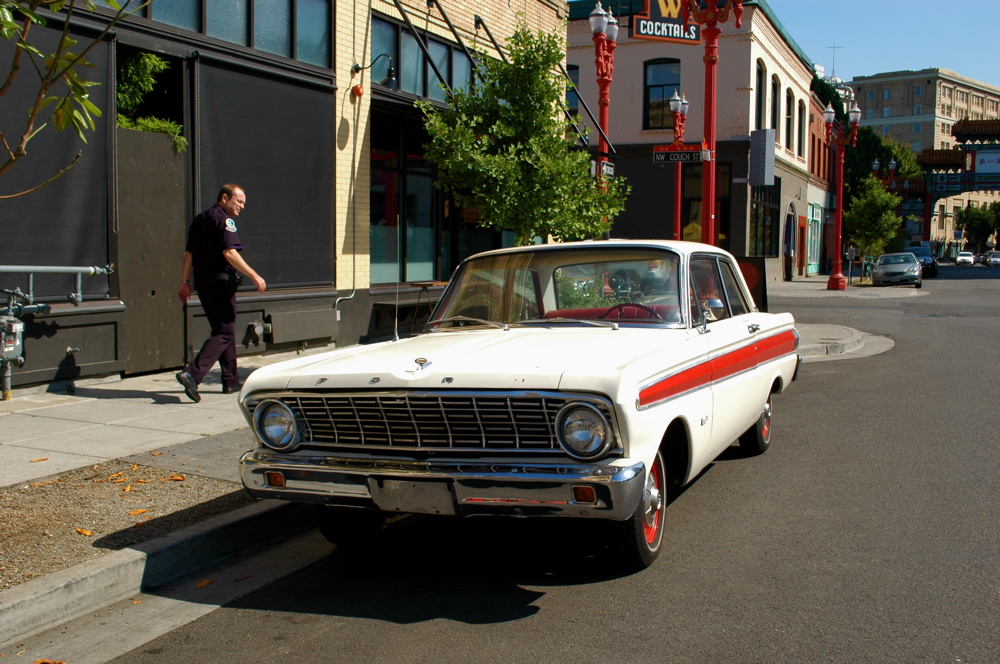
[919, 108]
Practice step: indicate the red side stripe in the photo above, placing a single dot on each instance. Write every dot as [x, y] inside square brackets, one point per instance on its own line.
[718, 368]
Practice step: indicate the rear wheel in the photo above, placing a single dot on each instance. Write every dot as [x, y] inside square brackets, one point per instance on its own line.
[757, 438]
[640, 538]
[349, 527]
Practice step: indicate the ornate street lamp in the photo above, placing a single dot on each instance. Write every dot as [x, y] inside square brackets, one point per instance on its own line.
[836, 139]
[710, 16]
[604, 27]
[888, 181]
[679, 109]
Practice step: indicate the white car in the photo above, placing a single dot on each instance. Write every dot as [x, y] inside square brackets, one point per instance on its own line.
[580, 380]
[965, 258]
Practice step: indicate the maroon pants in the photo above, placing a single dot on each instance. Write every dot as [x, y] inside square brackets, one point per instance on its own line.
[220, 310]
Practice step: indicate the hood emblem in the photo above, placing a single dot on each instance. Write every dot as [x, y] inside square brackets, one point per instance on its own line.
[421, 361]
[375, 380]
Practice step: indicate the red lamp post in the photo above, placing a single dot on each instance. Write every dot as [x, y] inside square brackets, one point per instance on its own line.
[604, 27]
[710, 17]
[838, 141]
[679, 109]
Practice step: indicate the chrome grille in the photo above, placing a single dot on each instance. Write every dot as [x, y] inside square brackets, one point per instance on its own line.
[522, 422]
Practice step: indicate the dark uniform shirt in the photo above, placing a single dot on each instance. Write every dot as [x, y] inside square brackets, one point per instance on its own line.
[211, 233]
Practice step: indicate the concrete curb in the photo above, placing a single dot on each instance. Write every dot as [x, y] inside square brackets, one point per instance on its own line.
[47, 601]
[834, 340]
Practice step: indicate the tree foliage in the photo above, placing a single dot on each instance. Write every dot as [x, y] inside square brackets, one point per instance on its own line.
[871, 221]
[871, 146]
[63, 94]
[136, 77]
[978, 224]
[502, 149]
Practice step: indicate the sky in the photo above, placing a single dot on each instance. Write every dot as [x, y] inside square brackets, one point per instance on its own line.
[876, 36]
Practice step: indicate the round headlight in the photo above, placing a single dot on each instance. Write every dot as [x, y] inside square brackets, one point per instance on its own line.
[275, 424]
[583, 431]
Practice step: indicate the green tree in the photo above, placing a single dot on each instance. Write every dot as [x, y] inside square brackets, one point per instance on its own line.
[63, 94]
[502, 149]
[977, 225]
[137, 72]
[870, 146]
[871, 220]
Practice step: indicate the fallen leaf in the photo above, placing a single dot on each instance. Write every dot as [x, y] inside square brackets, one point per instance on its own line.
[119, 480]
[177, 478]
[33, 484]
[157, 453]
[204, 583]
[84, 532]
[127, 488]
[242, 578]
[142, 481]
[134, 512]
[37, 460]
[49, 661]
[135, 466]
[119, 473]
[137, 601]
[139, 524]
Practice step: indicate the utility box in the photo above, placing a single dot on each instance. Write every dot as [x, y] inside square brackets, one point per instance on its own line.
[11, 338]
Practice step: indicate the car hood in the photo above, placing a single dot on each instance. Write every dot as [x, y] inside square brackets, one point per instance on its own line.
[519, 358]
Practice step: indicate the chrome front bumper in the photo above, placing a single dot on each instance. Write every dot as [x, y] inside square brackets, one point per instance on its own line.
[455, 488]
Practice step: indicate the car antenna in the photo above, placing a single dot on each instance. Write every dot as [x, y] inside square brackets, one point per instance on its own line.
[395, 318]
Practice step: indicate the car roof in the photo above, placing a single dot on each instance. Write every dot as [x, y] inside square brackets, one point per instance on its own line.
[679, 246]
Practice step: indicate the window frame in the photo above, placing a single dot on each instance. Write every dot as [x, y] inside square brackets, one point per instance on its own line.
[668, 122]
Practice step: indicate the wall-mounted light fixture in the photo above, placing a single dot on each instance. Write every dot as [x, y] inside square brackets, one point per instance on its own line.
[389, 81]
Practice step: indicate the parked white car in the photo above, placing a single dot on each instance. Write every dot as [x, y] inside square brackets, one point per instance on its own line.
[582, 380]
[965, 258]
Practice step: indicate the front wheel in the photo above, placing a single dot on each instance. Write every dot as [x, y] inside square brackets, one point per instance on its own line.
[640, 538]
[757, 438]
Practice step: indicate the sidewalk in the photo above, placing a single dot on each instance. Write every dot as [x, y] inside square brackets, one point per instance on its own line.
[47, 434]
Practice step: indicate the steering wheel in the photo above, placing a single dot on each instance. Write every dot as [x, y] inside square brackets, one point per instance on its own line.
[619, 307]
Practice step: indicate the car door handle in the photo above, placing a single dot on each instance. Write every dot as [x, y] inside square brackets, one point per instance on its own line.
[753, 328]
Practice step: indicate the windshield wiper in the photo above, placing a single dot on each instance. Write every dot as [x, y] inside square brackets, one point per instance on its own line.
[488, 323]
[587, 321]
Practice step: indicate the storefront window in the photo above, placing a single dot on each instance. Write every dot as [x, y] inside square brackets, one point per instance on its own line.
[227, 20]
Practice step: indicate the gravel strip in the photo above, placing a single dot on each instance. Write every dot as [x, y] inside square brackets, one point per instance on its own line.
[50, 525]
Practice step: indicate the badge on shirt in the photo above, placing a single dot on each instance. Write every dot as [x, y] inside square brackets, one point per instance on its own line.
[230, 225]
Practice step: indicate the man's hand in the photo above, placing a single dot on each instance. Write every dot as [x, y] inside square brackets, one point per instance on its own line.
[260, 283]
[184, 292]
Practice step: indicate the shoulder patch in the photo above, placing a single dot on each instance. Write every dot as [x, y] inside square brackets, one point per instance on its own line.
[230, 225]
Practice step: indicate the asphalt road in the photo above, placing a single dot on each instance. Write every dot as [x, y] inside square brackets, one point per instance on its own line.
[868, 533]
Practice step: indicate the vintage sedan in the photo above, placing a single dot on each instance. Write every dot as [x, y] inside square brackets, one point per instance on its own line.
[585, 380]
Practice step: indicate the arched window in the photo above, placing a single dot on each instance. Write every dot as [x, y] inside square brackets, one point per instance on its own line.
[789, 119]
[776, 108]
[661, 77]
[802, 129]
[761, 102]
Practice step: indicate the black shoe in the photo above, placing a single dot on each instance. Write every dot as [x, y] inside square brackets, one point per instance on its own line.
[232, 389]
[190, 386]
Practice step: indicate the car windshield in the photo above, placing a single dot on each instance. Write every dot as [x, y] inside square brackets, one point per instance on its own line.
[558, 286]
[920, 251]
[896, 259]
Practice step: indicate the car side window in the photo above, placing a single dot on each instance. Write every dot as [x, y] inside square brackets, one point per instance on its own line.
[734, 294]
[707, 293]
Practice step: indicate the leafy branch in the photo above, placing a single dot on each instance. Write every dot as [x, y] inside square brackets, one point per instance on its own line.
[73, 108]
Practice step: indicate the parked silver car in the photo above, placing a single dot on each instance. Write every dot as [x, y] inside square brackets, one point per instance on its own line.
[896, 270]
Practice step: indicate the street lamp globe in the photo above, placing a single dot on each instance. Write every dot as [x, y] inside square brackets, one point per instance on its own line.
[675, 103]
[598, 20]
[854, 114]
[611, 32]
[829, 114]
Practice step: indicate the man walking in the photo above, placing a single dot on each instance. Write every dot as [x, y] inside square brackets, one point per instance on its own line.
[213, 258]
